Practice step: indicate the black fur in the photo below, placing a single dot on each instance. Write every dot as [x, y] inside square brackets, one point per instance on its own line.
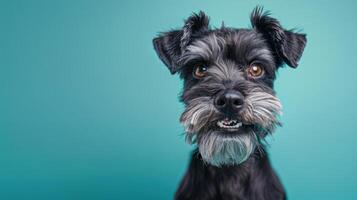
[254, 179]
[229, 164]
[287, 44]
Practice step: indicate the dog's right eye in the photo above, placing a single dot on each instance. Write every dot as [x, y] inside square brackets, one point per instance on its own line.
[199, 71]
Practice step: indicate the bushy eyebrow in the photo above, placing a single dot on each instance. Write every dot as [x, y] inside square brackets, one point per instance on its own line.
[241, 47]
[191, 58]
[262, 56]
[208, 48]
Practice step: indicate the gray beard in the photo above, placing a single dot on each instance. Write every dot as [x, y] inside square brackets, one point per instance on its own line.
[260, 109]
[217, 149]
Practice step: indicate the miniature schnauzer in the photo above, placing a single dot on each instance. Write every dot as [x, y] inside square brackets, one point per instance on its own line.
[230, 104]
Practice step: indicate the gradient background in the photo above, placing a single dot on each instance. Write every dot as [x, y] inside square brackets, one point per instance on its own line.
[88, 111]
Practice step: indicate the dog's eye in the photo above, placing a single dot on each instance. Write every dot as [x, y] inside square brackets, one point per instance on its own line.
[199, 71]
[255, 70]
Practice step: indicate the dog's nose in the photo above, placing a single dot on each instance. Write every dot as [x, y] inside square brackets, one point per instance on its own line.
[229, 102]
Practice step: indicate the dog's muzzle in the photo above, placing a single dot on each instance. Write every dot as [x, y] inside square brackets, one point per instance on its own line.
[228, 127]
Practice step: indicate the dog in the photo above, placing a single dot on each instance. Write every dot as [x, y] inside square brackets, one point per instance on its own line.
[230, 104]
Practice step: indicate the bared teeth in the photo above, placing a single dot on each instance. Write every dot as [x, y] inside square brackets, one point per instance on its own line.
[229, 123]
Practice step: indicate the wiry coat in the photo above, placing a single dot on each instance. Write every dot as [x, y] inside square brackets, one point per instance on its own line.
[229, 165]
[252, 180]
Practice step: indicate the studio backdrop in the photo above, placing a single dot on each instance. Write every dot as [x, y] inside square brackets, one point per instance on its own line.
[88, 111]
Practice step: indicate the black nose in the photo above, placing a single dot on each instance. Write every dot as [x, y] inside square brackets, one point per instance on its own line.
[229, 102]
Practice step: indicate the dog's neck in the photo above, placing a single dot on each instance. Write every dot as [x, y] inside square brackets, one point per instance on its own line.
[248, 180]
[243, 168]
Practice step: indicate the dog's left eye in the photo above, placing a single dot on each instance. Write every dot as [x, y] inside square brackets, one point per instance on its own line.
[255, 70]
[199, 71]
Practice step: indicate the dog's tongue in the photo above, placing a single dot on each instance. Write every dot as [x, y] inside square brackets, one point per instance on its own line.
[226, 119]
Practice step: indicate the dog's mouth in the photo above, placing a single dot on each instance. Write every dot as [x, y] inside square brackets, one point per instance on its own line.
[229, 124]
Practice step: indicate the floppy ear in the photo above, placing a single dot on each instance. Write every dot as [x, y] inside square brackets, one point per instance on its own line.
[169, 46]
[287, 44]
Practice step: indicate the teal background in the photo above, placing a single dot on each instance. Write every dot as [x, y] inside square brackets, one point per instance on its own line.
[88, 111]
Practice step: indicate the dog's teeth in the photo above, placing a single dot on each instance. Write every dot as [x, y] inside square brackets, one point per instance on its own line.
[230, 124]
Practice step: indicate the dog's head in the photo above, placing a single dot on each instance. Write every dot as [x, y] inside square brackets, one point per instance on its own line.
[228, 81]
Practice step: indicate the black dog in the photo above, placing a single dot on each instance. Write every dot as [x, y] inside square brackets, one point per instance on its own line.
[230, 103]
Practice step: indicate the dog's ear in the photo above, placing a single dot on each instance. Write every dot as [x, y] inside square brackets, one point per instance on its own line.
[167, 47]
[170, 45]
[288, 45]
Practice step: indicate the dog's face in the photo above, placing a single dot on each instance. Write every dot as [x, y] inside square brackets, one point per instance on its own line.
[228, 82]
